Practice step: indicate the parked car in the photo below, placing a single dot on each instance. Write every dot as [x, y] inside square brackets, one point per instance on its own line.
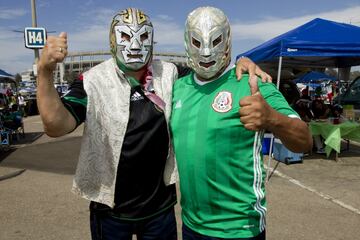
[351, 96]
[61, 88]
[28, 90]
[350, 99]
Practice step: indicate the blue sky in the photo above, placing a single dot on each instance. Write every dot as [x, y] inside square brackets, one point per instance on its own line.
[87, 22]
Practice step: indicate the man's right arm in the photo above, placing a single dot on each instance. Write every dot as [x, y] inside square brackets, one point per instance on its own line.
[57, 120]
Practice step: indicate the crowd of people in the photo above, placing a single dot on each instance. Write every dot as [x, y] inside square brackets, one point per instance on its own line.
[316, 109]
[11, 115]
[11, 102]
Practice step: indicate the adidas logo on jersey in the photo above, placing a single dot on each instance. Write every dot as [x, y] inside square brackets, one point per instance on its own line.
[136, 96]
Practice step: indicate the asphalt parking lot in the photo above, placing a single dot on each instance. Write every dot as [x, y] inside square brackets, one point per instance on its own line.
[316, 200]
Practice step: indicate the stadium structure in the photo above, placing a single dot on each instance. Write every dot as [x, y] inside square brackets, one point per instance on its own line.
[78, 62]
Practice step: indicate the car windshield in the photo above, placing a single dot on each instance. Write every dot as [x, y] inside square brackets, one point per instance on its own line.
[27, 84]
[353, 93]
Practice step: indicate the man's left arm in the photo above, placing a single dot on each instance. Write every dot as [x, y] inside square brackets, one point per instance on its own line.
[293, 132]
[275, 115]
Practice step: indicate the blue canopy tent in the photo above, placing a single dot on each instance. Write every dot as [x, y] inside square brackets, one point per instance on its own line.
[6, 78]
[318, 43]
[313, 79]
[4, 74]
[314, 76]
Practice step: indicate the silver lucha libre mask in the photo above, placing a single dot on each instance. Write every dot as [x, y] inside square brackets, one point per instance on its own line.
[131, 39]
[208, 42]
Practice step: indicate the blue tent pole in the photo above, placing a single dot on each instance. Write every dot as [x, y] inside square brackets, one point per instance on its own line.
[272, 136]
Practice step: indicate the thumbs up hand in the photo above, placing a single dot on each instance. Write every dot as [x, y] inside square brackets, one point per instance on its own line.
[54, 52]
[255, 112]
[253, 82]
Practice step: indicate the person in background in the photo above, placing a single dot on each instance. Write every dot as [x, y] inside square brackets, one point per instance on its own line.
[4, 101]
[9, 92]
[329, 92]
[321, 112]
[305, 94]
[217, 125]
[337, 113]
[12, 118]
[303, 108]
[320, 109]
[318, 92]
[13, 100]
[126, 167]
[21, 102]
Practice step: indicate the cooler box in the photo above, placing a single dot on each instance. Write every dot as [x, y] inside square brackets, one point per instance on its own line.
[282, 154]
[266, 143]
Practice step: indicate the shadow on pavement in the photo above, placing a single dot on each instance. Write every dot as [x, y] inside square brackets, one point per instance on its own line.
[5, 152]
[353, 150]
[27, 138]
[57, 157]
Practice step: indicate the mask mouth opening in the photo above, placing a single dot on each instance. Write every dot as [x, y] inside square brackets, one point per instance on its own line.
[207, 64]
[134, 55]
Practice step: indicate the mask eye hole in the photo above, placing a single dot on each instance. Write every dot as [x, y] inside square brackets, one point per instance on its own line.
[196, 43]
[125, 36]
[217, 41]
[144, 36]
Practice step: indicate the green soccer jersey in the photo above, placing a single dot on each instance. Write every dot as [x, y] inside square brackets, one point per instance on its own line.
[219, 161]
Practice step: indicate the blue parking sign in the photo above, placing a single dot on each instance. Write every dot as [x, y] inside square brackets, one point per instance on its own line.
[35, 37]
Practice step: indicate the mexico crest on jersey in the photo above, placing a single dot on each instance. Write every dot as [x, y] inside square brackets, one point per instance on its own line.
[222, 102]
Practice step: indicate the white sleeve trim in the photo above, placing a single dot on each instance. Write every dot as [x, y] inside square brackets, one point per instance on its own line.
[294, 116]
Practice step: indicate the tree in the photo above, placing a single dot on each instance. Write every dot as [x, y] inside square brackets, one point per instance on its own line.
[18, 78]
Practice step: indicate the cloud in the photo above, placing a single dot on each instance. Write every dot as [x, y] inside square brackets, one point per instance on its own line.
[97, 16]
[271, 27]
[14, 56]
[42, 4]
[88, 3]
[164, 17]
[91, 33]
[7, 13]
[168, 32]
[95, 36]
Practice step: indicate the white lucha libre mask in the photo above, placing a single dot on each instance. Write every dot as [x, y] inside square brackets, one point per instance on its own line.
[131, 39]
[208, 42]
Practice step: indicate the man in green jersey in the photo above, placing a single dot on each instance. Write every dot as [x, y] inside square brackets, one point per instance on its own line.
[217, 126]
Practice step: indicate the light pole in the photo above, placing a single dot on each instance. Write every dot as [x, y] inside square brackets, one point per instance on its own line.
[34, 24]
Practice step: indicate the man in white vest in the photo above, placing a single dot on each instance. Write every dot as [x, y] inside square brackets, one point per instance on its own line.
[126, 167]
[217, 126]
